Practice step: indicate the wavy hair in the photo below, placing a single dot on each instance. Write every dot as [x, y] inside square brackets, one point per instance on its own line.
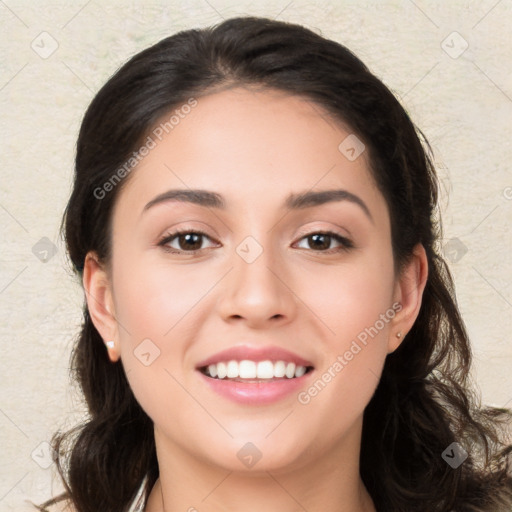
[424, 400]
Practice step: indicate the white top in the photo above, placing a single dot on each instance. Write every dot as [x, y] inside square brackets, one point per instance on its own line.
[137, 503]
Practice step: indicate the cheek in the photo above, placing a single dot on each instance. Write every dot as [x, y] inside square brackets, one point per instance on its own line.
[153, 300]
[355, 304]
[154, 306]
[349, 297]
[350, 371]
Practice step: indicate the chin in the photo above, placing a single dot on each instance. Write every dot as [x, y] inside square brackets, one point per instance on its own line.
[256, 453]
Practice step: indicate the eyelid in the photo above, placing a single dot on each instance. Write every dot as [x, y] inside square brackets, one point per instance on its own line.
[315, 230]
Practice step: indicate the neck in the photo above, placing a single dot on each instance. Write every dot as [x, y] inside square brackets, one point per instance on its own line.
[328, 483]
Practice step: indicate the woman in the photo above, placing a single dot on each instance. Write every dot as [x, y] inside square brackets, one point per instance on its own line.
[269, 323]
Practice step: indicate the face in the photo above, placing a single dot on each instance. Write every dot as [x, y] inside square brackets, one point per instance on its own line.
[257, 275]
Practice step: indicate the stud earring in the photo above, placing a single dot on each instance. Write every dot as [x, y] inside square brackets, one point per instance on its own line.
[110, 344]
[398, 334]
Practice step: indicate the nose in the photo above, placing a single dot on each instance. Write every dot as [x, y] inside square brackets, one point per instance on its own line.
[258, 292]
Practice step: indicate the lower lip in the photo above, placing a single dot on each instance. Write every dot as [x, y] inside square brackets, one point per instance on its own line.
[261, 392]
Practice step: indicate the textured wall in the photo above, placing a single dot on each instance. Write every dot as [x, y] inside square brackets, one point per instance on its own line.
[449, 63]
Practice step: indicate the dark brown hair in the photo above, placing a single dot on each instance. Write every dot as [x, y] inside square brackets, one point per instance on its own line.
[424, 400]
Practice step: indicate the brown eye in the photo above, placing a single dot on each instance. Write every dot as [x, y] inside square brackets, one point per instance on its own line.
[187, 241]
[321, 241]
[191, 242]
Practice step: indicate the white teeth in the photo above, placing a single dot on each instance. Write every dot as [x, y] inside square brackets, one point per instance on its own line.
[279, 369]
[300, 371]
[222, 370]
[232, 370]
[212, 369]
[290, 370]
[255, 370]
[247, 369]
[265, 370]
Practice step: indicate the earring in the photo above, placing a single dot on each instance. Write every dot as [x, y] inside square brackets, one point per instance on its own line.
[398, 334]
[110, 344]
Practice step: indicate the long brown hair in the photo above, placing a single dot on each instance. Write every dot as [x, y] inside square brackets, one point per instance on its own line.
[424, 401]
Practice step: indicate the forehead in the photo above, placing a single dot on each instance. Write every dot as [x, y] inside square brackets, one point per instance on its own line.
[247, 144]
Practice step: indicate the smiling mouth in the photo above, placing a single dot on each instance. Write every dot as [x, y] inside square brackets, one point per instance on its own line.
[252, 371]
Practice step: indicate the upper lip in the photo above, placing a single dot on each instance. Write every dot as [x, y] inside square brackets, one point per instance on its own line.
[241, 352]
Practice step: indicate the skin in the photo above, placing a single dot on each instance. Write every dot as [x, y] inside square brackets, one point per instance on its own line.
[254, 148]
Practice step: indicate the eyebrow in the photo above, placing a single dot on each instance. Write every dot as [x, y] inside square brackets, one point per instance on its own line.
[292, 202]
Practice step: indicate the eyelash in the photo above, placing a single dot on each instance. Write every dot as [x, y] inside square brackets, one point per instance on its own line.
[346, 244]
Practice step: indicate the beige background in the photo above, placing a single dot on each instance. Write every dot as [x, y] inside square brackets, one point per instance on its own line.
[461, 98]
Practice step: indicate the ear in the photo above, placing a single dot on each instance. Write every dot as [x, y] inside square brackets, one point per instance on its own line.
[409, 293]
[100, 303]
